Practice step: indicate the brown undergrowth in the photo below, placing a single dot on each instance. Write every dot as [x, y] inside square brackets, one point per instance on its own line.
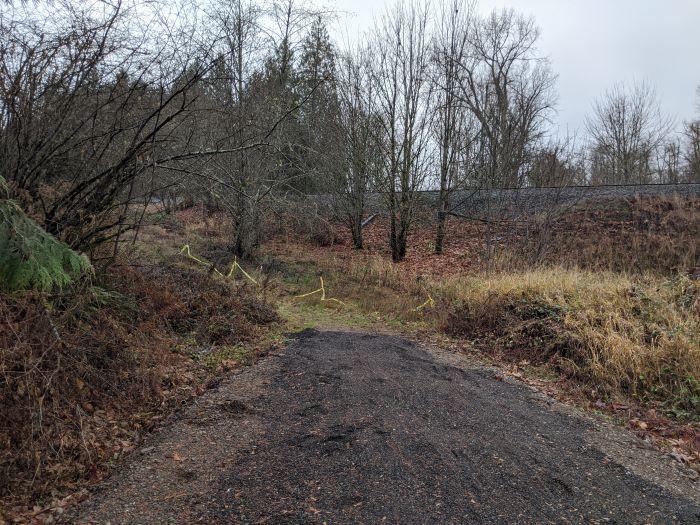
[85, 374]
[639, 235]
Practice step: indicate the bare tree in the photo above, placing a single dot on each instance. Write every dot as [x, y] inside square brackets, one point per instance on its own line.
[234, 179]
[626, 128]
[453, 124]
[403, 90]
[87, 101]
[692, 152]
[247, 114]
[692, 148]
[509, 89]
[357, 157]
[556, 163]
[669, 162]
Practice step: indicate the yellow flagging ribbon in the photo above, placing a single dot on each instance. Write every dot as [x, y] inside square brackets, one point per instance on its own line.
[429, 303]
[322, 291]
[232, 272]
[235, 266]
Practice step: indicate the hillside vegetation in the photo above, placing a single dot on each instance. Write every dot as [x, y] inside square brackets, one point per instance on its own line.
[86, 373]
[622, 336]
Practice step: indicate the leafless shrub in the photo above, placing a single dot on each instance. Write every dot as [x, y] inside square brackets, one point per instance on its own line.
[86, 104]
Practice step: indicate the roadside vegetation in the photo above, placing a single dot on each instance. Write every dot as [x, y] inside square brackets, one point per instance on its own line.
[88, 371]
[625, 338]
[623, 322]
[92, 368]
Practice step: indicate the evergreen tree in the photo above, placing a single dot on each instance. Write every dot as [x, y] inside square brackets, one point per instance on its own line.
[317, 67]
[281, 93]
[30, 258]
[319, 117]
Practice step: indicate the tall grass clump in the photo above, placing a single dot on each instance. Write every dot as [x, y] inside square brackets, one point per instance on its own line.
[623, 336]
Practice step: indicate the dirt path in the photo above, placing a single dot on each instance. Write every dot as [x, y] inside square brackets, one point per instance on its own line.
[355, 428]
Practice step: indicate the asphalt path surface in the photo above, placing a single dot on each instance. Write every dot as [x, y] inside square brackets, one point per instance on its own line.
[344, 427]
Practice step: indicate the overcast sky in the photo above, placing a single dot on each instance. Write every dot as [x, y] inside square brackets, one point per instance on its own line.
[594, 44]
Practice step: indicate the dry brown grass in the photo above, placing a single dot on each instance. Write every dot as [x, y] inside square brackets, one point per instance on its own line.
[622, 336]
[641, 235]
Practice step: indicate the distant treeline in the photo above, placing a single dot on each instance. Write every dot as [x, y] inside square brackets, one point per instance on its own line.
[244, 103]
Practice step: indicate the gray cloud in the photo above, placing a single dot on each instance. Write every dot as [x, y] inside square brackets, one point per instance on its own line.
[594, 44]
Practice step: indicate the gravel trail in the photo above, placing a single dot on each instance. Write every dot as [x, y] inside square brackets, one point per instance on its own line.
[344, 427]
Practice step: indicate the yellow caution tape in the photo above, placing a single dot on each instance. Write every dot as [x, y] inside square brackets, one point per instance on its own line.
[322, 291]
[234, 266]
[232, 272]
[186, 249]
[430, 302]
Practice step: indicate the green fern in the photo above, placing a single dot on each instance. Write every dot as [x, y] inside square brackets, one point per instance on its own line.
[31, 258]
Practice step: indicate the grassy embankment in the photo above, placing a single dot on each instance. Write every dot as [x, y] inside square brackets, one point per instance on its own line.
[624, 337]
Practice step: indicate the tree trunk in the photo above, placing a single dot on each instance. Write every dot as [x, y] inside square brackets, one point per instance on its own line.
[399, 234]
[394, 241]
[402, 238]
[393, 234]
[440, 235]
[356, 230]
[443, 205]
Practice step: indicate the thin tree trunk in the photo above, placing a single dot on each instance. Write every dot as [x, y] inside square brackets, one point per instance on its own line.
[393, 240]
[357, 231]
[440, 235]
